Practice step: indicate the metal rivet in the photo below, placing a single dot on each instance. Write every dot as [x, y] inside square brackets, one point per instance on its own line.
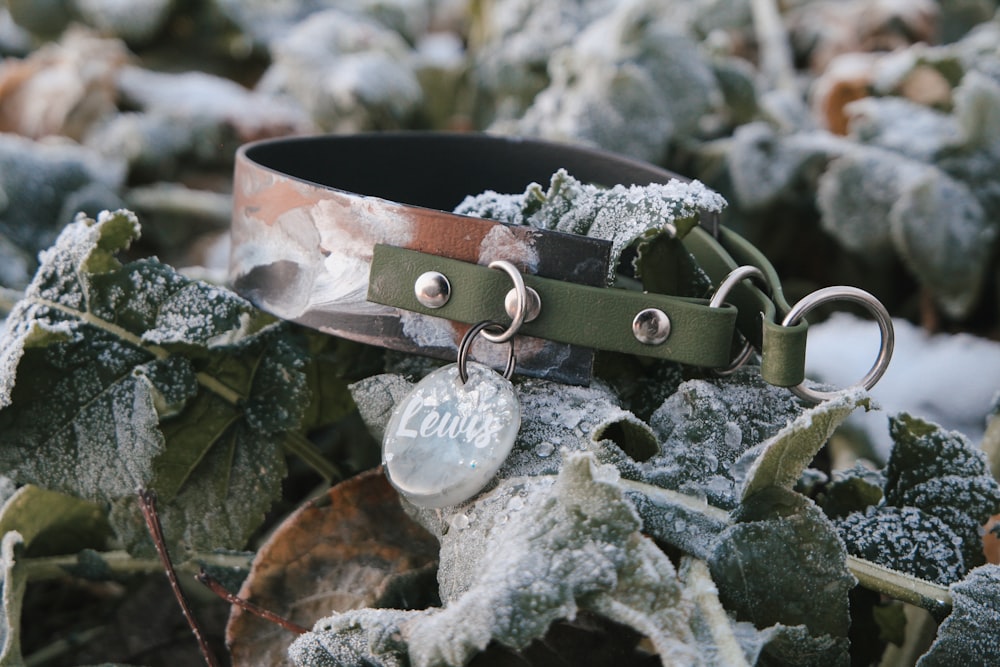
[651, 326]
[531, 309]
[432, 289]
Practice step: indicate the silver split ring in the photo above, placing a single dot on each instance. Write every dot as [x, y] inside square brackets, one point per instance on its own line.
[466, 345]
[520, 302]
[874, 306]
[735, 277]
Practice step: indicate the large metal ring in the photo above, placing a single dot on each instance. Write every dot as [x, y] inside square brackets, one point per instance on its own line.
[735, 277]
[874, 306]
[466, 345]
[520, 302]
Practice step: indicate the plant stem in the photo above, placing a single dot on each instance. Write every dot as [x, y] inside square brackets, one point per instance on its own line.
[121, 563]
[248, 606]
[147, 502]
[301, 446]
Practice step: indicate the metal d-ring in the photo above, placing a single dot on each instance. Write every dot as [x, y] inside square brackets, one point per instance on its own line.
[735, 277]
[874, 306]
[466, 345]
[520, 302]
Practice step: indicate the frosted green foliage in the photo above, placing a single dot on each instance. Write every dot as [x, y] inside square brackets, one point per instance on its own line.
[905, 539]
[899, 125]
[44, 185]
[534, 550]
[969, 635]
[518, 38]
[767, 167]
[943, 474]
[871, 197]
[721, 640]
[349, 71]
[785, 456]
[376, 396]
[975, 159]
[809, 588]
[54, 523]
[622, 215]
[857, 193]
[630, 82]
[706, 426]
[133, 376]
[559, 417]
[851, 490]
[938, 493]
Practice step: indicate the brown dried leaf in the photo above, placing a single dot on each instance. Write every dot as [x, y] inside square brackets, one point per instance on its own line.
[62, 88]
[354, 547]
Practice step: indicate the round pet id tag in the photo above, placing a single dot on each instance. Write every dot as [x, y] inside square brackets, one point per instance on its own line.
[446, 440]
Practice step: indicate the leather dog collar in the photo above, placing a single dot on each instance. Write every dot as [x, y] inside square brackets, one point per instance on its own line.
[333, 231]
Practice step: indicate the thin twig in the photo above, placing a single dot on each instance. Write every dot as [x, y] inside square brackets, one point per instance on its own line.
[147, 502]
[255, 609]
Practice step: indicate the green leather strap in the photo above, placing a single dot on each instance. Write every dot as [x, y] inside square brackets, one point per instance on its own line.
[595, 317]
[783, 349]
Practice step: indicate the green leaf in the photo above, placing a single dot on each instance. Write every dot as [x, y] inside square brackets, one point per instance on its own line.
[709, 426]
[783, 564]
[133, 376]
[788, 453]
[945, 476]
[969, 635]
[53, 523]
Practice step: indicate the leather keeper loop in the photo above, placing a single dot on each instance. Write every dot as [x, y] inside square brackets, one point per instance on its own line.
[783, 354]
[594, 317]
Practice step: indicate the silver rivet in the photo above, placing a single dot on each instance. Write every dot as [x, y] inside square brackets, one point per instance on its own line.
[651, 326]
[531, 309]
[432, 289]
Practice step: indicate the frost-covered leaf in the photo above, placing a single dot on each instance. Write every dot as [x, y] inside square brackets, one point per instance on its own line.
[721, 640]
[944, 236]
[783, 564]
[558, 418]
[532, 551]
[631, 82]
[767, 167]
[906, 539]
[786, 455]
[133, 376]
[706, 426]
[969, 635]
[938, 492]
[851, 490]
[944, 475]
[622, 215]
